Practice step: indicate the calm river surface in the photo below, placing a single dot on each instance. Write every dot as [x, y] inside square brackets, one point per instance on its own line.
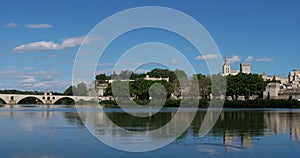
[58, 132]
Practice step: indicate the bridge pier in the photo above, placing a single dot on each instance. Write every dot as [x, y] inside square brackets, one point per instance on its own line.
[48, 102]
[12, 102]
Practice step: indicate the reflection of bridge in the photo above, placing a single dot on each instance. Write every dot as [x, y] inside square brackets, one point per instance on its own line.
[47, 98]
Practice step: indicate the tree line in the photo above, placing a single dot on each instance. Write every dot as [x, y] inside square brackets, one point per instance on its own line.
[238, 85]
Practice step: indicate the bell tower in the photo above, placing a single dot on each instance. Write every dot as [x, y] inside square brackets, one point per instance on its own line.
[226, 67]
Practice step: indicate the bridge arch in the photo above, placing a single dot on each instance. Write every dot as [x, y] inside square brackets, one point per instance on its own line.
[64, 97]
[37, 100]
[3, 100]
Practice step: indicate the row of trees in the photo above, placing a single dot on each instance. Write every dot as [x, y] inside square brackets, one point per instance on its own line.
[139, 89]
[245, 85]
[238, 85]
[79, 90]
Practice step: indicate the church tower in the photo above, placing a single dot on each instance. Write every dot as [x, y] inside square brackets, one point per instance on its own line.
[245, 68]
[226, 67]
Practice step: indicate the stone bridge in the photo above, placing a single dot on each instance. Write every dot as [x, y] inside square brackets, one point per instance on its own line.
[47, 98]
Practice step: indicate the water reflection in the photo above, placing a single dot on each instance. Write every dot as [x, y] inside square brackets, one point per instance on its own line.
[282, 122]
[236, 129]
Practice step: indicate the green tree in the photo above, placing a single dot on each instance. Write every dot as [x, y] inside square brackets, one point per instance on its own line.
[135, 76]
[101, 78]
[81, 89]
[180, 81]
[119, 89]
[164, 73]
[69, 90]
[245, 85]
[219, 85]
[125, 74]
[140, 88]
[203, 83]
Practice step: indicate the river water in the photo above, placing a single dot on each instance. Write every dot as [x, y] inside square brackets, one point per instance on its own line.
[58, 132]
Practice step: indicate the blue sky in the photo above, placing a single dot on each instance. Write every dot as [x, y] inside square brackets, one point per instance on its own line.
[266, 33]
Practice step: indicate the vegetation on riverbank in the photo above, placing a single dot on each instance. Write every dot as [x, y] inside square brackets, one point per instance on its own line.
[260, 103]
[204, 103]
[90, 102]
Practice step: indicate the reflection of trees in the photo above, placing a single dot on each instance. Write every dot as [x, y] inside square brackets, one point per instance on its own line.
[73, 118]
[234, 127]
[240, 122]
[134, 123]
[241, 126]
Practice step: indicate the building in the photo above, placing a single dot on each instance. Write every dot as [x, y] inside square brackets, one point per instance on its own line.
[227, 69]
[274, 78]
[97, 89]
[294, 76]
[245, 68]
[148, 78]
[272, 90]
[286, 89]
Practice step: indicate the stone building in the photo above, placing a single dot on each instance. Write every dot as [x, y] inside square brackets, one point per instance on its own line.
[272, 90]
[97, 89]
[148, 78]
[274, 78]
[288, 88]
[244, 68]
[294, 76]
[226, 68]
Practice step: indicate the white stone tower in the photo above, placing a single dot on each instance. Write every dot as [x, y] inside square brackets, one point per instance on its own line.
[226, 67]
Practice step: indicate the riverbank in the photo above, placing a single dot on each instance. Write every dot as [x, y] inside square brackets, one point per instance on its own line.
[204, 103]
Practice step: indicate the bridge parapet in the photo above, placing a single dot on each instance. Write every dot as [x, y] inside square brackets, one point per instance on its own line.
[13, 99]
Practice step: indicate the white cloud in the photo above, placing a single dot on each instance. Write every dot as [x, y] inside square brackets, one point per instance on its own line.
[47, 78]
[29, 68]
[249, 59]
[42, 85]
[50, 45]
[9, 74]
[29, 80]
[35, 80]
[263, 59]
[234, 59]
[38, 46]
[38, 26]
[11, 25]
[207, 57]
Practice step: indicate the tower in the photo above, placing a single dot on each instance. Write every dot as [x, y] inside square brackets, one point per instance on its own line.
[245, 68]
[226, 67]
[294, 76]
